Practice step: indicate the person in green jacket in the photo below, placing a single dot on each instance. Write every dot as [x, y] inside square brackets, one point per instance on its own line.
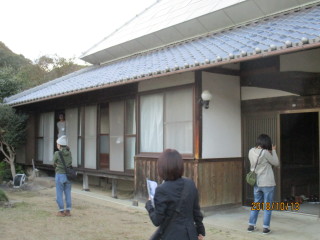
[63, 185]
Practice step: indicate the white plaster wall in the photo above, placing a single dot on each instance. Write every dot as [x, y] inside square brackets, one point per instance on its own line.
[248, 93]
[306, 61]
[221, 126]
[168, 81]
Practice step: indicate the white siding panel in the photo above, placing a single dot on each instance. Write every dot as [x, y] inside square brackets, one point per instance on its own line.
[90, 142]
[48, 137]
[72, 132]
[116, 136]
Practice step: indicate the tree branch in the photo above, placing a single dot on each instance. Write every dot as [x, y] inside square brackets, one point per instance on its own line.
[8, 157]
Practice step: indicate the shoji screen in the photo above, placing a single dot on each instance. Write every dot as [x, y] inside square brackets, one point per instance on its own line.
[90, 141]
[116, 136]
[71, 116]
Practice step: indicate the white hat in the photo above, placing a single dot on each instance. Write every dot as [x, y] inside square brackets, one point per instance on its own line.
[62, 140]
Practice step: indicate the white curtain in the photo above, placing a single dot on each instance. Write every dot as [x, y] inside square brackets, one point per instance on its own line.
[72, 133]
[90, 142]
[151, 133]
[178, 120]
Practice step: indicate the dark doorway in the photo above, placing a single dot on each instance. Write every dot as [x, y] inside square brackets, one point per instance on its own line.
[299, 138]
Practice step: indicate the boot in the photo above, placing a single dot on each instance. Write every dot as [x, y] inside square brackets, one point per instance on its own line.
[60, 214]
[67, 213]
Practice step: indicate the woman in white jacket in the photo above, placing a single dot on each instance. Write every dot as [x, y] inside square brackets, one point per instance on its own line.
[264, 189]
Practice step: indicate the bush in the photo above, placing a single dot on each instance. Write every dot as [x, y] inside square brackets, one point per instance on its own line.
[5, 171]
[3, 196]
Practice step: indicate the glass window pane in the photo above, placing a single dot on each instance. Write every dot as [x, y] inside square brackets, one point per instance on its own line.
[130, 152]
[40, 149]
[178, 120]
[40, 125]
[179, 105]
[179, 136]
[151, 111]
[104, 120]
[130, 116]
[104, 144]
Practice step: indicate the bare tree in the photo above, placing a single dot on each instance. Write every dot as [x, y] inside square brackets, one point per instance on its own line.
[12, 134]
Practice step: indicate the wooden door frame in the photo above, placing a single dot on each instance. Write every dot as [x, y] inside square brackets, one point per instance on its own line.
[276, 140]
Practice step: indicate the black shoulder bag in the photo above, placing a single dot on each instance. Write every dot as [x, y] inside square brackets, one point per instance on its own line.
[158, 233]
[70, 172]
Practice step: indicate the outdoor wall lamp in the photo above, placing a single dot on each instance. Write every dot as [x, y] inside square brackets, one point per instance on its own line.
[205, 99]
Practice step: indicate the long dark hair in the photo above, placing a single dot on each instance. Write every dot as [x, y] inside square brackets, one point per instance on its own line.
[264, 141]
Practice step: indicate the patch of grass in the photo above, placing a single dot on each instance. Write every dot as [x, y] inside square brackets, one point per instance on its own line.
[24, 208]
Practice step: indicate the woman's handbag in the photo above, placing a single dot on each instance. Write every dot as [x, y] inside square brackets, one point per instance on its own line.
[70, 172]
[251, 177]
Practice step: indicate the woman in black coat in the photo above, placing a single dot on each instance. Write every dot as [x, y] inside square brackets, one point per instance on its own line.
[187, 224]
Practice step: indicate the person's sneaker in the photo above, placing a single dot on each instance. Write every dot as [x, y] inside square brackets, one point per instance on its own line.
[251, 228]
[67, 213]
[266, 231]
[60, 214]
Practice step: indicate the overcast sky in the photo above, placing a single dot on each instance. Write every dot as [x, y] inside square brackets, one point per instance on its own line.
[65, 27]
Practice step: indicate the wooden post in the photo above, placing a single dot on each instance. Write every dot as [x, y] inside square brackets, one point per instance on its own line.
[85, 185]
[114, 188]
[197, 126]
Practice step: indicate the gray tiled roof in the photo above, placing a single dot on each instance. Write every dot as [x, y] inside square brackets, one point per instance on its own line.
[286, 31]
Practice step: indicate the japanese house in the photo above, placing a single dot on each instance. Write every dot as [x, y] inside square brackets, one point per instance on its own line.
[258, 60]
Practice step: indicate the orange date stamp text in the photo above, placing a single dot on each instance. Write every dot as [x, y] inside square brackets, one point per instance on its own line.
[277, 206]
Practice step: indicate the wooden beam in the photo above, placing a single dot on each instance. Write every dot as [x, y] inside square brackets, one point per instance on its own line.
[224, 71]
[287, 103]
[301, 83]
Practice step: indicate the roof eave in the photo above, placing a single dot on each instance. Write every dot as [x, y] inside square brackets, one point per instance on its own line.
[196, 67]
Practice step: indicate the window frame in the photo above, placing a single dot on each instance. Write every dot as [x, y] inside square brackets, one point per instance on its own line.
[99, 134]
[125, 135]
[38, 137]
[163, 91]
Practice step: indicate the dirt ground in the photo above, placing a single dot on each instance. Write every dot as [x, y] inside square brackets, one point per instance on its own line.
[33, 217]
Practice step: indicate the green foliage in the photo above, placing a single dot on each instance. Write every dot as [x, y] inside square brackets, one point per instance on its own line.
[9, 84]
[10, 59]
[12, 126]
[18, 73]
[5, 171]
[3, 196]
[31, 76]
[56, 66]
